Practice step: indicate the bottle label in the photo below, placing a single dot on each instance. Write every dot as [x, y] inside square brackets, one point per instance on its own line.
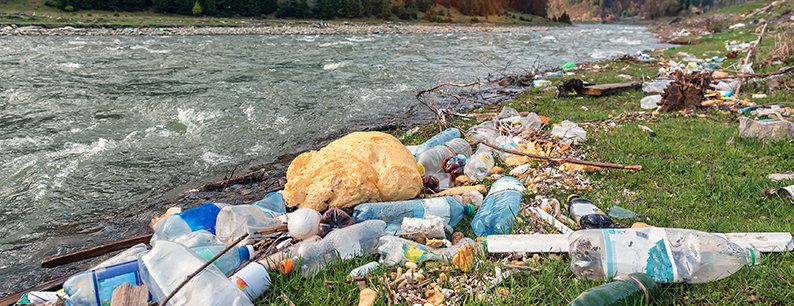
[644, 250]
[436, 207]
[108, 278]
[506, 183]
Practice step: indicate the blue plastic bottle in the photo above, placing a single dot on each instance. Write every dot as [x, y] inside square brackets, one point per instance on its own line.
[438, 139]
[393, 212]
[202, 217]
[497, 212]
[272, 204]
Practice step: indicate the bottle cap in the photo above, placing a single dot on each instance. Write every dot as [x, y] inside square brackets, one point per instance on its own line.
[246, 253]
[285, 266]
[753, 257]
[469, 210]
[420, 168]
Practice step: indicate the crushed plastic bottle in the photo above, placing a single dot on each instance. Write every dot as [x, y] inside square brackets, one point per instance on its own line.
[484, 132]
[497, 212]
[632, 289]
[273, 204]
[393, 213]
[234, 221]
[656, 86]
[197, 238]
[397, 251]
[480, 164]
[334, 218]
[168, 263]
[438, 139]
[587, 214]
[668, 255]
[344, 243]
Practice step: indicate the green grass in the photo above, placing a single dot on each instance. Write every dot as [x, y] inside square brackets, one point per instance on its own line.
[690, 179]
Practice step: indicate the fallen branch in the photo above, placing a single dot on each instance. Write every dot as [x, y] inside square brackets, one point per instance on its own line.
[253, 177]
[205, 265]
[272, 230]
[561, 159]
[756, 45]
[91, 252]
[230, 178]
[439, 114]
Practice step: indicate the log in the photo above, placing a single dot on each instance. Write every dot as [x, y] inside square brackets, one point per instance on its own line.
[95, 251]
[126, 295]
[608, 89]
[52, 285]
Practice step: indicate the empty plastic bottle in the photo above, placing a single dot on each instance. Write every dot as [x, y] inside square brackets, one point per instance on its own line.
[432, 160]
[252, 280]
[438, 139]
[483, 132]
[668, 255]
[343, 243]
[202, 217]
[632, 289]
[364, 269]
[229, 260]
[168, 263]
[480, 164]
[393, 213]
[497, 212]
[272, 204]
[508, 144]
[197, 238]
[235, 220]
[394, 250]
[95, 287]
[586, 214]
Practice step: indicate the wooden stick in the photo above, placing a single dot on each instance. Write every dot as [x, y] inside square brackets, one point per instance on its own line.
[561, 159]
[275, 229]
[95, 251]
[206, 264]
[230, 178]
[756, 45]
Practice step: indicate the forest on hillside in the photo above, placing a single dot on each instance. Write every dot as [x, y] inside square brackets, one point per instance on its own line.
[432, 10]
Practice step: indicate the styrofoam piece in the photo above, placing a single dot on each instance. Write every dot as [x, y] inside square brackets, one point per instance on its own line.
[551, 220]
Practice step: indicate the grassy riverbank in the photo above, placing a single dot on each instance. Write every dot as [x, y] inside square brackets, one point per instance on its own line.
[697, 174]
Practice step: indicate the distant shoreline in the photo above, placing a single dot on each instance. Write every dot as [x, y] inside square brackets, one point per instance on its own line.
[317, 28]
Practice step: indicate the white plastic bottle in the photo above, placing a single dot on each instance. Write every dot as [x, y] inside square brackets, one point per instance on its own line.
[342, 243]
[669, 255]
[480, 164]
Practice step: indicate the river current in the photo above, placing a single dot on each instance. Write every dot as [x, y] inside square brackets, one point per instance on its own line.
[93, 128]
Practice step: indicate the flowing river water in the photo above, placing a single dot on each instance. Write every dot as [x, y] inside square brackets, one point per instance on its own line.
[98, 133]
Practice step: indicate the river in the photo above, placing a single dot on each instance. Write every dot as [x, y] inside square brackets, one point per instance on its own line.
[98, 133]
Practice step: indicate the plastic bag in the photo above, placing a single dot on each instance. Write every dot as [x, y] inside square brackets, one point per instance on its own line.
[333, 219]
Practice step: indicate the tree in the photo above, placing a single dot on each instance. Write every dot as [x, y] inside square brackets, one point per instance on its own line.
[196, 8]
[470, 8]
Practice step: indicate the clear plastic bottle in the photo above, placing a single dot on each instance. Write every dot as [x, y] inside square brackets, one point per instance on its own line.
[480, 164]
[668, 255]
[334, 218]
[233, 221]
[432, 160]
[95, 287]
[343, 243]
[506, 143]
[497, 212]
[587, 214]
[632, 289]
[229, 260]
[273, 204]
[394, 250]
[197, 238]
[484, 132]
[364, 269]
[393, 213]
[168, 263]
[438, 139]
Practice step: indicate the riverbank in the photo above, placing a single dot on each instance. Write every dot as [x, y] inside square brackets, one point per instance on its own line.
[318, 28]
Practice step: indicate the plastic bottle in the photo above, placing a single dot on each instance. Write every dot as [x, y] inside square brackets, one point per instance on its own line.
[438, 139]
[95, 287]
[304, 223]
[233, 221]
[202, 217]
[394, 250]
[168, 263]
[197, 238]
[229, 260]
[632, 289]
[393, 213]
[480, 164]
[365, 269]
[334, 218]
[668, 255]
[497, 212]
[130, 254]
[343, 243]
[170, 227]
[586, 214]
[650, 102]
[273, 204]
[483, 132]
[506, 143]
[287, 250]
[432, 160]
[252, 280]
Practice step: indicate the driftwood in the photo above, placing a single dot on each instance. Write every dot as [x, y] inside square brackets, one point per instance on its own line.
[608, 89]
[95, 251]
[561, 159]
[47, 286]
[685, 92]
[205, 265]
[252, 177]
[126, 295]
[272, 230]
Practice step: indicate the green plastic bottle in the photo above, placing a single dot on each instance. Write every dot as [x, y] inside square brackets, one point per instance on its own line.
[632, 289]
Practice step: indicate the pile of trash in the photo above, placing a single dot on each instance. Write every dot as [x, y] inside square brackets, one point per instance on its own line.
[366, 193]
